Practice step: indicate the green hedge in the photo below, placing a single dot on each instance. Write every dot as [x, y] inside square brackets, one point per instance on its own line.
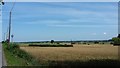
[49, 45]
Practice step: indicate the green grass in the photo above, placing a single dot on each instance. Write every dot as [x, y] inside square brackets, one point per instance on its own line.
[17, 57]
[13, 60]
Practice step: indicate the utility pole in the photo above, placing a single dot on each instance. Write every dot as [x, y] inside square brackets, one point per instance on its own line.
[9, 28]
[4, 37]
[10, 24]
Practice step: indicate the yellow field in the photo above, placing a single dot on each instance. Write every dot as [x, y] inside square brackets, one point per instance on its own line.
[78, 52]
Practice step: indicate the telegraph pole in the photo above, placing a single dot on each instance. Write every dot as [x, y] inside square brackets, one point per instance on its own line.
[4, 37]
[10, 24]
[9, 28]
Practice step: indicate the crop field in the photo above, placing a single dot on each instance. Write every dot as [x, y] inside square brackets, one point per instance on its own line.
[77, 52]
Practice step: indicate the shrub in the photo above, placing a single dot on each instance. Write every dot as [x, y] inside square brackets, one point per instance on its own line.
[72, 42]
[12, 46]
[111, 42]
[96, 42]
[3, 41]
[58, 43]
[116, 41]
[84, 42]
[15, 50]
[52, 41]
[103, 43]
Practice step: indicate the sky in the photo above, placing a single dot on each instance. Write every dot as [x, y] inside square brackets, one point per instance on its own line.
[44, 21]
[61, 0]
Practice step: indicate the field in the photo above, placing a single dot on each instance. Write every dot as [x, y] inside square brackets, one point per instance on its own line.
[81, 52]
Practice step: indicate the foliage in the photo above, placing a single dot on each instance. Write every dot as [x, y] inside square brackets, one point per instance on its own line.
[16, 51]
[52, 41]
[3, 41]
[96, 42]
[84, 42]
[116, 40]
[51, 45]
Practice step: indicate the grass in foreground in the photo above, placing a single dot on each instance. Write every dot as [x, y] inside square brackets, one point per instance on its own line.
[13, 60]
[17, 57]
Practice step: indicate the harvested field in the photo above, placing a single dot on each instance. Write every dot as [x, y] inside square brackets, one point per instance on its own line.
[78, 52]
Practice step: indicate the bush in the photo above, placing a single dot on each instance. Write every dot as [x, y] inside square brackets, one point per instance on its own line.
[52, 41]
[15, 50]
[116, 41]
[103, 43]
[3, 41]
[58, 43]
[72, 42]
[12, 46]
[84, 42]
[111, 42]
[96, 42]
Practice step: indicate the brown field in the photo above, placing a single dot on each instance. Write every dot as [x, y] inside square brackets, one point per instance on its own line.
[78, 52]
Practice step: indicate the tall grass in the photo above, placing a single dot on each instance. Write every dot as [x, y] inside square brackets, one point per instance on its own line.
[17, 52]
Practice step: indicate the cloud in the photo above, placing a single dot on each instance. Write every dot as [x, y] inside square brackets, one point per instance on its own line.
[68, 22]
[75, 11]
[65, 14]
[86, 26]
[104, 33]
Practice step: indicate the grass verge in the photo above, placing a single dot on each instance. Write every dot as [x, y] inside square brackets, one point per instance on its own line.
[17, 57]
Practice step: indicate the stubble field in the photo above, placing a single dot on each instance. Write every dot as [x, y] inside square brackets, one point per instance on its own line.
[78, 52]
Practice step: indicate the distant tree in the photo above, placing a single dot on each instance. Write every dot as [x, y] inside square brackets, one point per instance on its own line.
[3, 41]
[84, 42]
[52, 41]
[118, 35]
[96, 42]
[116, 40]
[111, 42]
[72, 42]
[58, 43]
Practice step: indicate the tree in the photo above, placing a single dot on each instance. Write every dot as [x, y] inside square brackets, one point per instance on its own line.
[118, 35]
[3, 41]
[52, 41]
[96, 42]
[116, 40]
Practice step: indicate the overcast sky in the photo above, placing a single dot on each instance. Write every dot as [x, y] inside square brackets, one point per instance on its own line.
[34, 21]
